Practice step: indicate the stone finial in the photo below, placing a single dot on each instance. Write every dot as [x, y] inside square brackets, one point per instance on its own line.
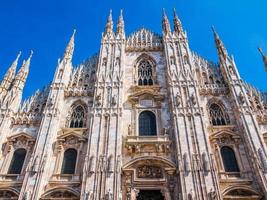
[264, 58]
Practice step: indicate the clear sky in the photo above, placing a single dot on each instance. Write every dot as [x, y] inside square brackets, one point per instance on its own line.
[45, 26]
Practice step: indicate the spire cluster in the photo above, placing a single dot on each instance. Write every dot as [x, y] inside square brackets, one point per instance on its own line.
[11, 78]
[119, 27]
[178, 29]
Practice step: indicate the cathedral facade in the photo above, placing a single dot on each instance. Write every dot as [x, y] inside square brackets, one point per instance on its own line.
[144, 119]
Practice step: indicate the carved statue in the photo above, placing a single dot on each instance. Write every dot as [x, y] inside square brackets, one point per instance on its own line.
[98, 100]
[192, 99]
[118, 165]
[35, 165]
[178, 99]
[110, 164]
[109, 195]
[92, 164]
[212, 195]
[27, 195]
[205, 162]
[114, 100]
[129, 129]
[263, 160]
[90, 195]
[186, 163]
[241, 98]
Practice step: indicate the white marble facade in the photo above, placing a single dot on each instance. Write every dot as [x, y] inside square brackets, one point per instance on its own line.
[145, 118]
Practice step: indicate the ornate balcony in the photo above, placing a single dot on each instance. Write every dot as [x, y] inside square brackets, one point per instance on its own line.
[148, 144]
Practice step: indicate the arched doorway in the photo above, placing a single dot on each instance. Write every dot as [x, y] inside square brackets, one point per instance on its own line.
[150, 195]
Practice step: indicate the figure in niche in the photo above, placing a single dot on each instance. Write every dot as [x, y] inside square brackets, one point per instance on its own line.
[186, 163]
[92, 164]
[212, 194]
[104, 64]
[110, 164]
[241, 98]
[231, 70]
[262, 159]
[178, 99]
[117, 62]
[145, 73]
[129, 129]
[192, 100]
[205, 162]
[109, 195]
[35, 165]
[172, 60]
[98, 100]
[114, 100]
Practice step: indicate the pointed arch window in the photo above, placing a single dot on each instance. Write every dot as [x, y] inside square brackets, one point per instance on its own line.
[77, 117]
[69, 161]
[145, 73]
[229, 159]
[17, 161]
[147, 124]
[218, 116]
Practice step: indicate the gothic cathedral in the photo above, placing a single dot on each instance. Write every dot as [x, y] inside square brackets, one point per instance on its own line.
[144, 119]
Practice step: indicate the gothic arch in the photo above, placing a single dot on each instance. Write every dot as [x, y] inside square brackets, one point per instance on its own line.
[241, 191]
[222, 116]
[61, 192]
[9, 193]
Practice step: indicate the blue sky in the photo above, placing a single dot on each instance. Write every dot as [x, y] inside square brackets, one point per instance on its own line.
[45, 27]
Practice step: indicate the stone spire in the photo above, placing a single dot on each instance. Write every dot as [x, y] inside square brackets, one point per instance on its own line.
[70, 48]
[23, 72]
[10, 74]
[109, 24]
[220, 46]
[165, 24]
[264, 58]
[177, 23]
[120, 25]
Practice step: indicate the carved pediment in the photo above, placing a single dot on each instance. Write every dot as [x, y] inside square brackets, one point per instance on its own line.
[21, 137]
[72, 134]
[225, 136]
[146, 92]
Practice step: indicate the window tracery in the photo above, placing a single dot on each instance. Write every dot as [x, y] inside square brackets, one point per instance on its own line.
[217, 116]
[145, 73]
[77, 119]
